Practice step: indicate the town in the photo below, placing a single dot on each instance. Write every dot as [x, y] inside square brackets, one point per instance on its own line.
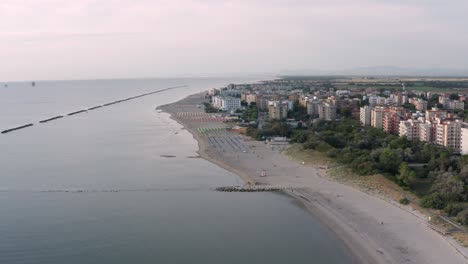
[433, 116]
[412, 131]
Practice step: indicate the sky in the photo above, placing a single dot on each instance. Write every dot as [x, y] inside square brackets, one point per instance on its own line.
[62, 39]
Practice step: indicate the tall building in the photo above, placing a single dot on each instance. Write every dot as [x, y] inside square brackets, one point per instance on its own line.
[294, 97]
[410, 129]
[377, 115]
[448, 134]
[213, 91]
[365, 115]
[452, 105]
[303, 100]
[464, 138]
[435, 113]
[249, 98]
[226, 103]
[399, 99]
[312, 107]
[444, 101]
[327, 112]
[262, 103]
[277, 110]
[420, 104]
[377, 100]
[425, 132]
[391, 123]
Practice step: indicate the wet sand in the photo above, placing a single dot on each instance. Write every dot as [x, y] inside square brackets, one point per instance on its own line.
[375, 230]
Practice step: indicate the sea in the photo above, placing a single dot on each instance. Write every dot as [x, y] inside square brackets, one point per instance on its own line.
[123, 184]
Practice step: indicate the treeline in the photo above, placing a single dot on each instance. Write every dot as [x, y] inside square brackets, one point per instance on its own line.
[270, 129]
[432, 172]
[439, 84]
[251, 112]
[209, 108]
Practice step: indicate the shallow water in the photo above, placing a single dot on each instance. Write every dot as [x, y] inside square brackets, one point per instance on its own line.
[94, 188]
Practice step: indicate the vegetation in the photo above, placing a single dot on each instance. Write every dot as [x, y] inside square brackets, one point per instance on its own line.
[275, 128]
[209, 108]
[404, 201]
[250, 113]
[298, 112]
[432, 172]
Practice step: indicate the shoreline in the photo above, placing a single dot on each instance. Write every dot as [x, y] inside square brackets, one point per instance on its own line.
[373, 230]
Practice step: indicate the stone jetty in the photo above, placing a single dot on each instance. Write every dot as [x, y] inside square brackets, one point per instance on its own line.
[77, 112]
[50, 119]
[253, 188]
[92, 108]
[16, 128]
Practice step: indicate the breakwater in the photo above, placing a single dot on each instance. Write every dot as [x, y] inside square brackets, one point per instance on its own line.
[91, 108]
[94, 107]
[254, 188]
[76, 112]
[50, 119]
[16, 128]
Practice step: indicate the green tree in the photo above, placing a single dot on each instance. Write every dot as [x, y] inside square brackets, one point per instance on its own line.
[433, 200]
[406, 174]
[454, 96]
[389, 161]
[448, 185]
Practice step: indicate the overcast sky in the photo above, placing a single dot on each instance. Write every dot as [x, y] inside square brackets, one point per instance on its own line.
[64, 39]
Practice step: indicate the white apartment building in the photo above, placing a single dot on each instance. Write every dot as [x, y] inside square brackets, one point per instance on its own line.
[312, 107]
[377, 100]
[277, 110]
[425, 132]
[226, 103]
[213, 91]
[377, 116]
[452, 105]
[327, 112]
[410, 129]
[365, 115]
[435, 113]
[464, 139]
[342, 92]
[399, 99]
[249, 98]
[448, 134]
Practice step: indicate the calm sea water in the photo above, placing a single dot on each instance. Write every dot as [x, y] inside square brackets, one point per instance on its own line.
[93, 188]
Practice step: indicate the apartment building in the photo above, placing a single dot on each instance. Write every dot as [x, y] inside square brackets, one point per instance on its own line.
[420, 104]
[327, 112]
[435, 112]
[365, 115]
[213, 91]
[377, 115]
[277, 110]
[452, 105]
[399, 99]
[464, 138]
[312, 107]
[426, 132]
[391, 122]
[410, 129]
[448, 134]
[226, 103]
[249, 98]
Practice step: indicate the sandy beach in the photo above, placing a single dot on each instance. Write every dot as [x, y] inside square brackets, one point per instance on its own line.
[374, 229]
